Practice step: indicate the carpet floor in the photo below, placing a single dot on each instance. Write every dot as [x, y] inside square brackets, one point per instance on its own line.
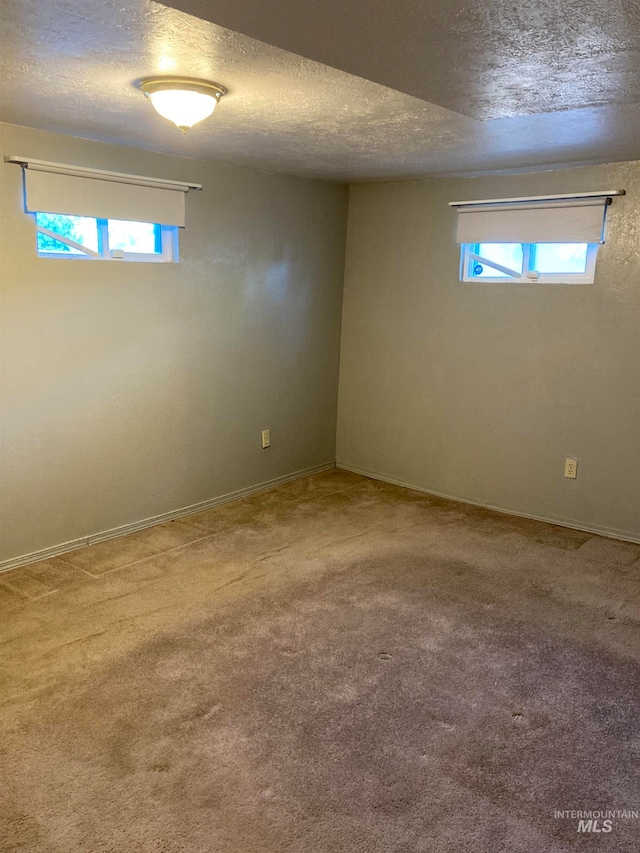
[336, 664]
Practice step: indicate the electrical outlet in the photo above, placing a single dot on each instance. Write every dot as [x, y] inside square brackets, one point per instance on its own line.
[570, 468]
[266, 438]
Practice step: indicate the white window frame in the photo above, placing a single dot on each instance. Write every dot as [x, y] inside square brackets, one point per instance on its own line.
[168, 236]
[468, 256]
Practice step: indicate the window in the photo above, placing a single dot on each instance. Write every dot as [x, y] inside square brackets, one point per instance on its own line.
[542, 263]
[92, 214]
[540, 239]
[63, 236]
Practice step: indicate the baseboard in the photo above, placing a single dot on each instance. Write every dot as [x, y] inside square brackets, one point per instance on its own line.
[123, 530]
[596, 529]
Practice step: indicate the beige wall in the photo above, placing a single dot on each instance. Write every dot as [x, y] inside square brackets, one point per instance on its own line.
[480, 391]
[130, 390]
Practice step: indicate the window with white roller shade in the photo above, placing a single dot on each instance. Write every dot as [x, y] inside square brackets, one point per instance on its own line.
[544, 239]
[102, 198]
[51, 193]
[575, 221]
[87, 213]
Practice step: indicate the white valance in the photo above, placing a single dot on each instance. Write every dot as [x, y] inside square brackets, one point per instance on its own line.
[541, 220]
[58, 188]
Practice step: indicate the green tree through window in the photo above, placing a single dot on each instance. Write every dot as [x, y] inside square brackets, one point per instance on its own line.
[73, 227]
[63, 235]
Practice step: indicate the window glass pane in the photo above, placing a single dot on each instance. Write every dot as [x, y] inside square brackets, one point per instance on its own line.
[141, 237]
[508, 255]
[560, 257]
[80, 229]
[47, 245]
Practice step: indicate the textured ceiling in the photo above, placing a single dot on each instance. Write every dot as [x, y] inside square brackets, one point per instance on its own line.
[483, 58]
[71, 65]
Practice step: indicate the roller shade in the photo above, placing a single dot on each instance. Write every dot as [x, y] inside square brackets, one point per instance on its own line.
[526, 221]
[57, 188]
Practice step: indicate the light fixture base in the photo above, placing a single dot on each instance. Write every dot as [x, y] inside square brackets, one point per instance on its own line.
[189, 84]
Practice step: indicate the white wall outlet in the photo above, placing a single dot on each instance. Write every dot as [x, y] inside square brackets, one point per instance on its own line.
[570, 468]
[266, 438]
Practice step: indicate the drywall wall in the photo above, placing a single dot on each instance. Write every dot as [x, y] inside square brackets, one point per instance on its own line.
[130, 390]
[479, 392]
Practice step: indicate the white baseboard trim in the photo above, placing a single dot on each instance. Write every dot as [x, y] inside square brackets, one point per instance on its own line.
[611, 532]
[123, 530]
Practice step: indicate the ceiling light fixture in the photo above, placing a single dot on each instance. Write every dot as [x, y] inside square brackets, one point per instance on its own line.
[182, 100]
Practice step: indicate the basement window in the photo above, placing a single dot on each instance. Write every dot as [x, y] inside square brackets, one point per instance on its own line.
[542, 263]
[64, 236]
[92, 214]
[543, 240]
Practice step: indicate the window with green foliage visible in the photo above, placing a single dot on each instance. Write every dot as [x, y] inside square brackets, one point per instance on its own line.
[62, 236]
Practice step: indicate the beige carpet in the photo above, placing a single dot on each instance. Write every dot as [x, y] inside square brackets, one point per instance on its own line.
[333, 665]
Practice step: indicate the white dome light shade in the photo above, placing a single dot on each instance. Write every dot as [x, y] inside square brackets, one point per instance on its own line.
[184, 109]
[182, 100]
